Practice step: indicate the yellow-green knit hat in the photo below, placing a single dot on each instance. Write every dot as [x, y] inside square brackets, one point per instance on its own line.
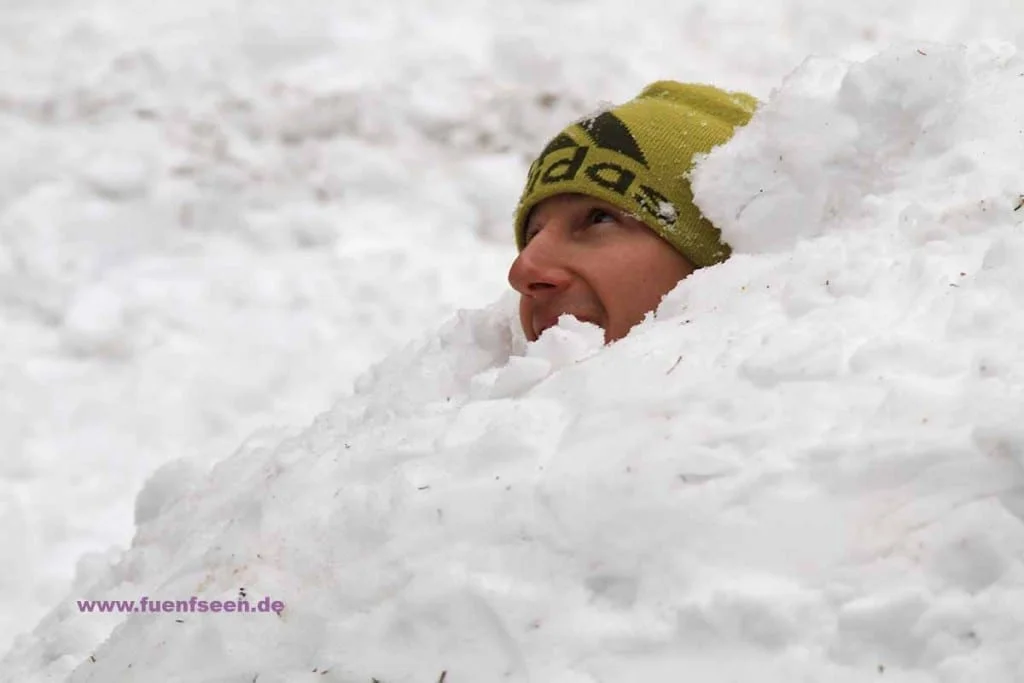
[637, 156]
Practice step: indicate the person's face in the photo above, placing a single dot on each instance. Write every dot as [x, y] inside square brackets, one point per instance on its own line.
[587, 258]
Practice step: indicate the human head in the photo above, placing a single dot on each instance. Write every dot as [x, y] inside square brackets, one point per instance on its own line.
[629, 164]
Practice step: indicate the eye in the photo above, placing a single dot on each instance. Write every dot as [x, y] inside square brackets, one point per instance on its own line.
[598, 215]
[591, 216]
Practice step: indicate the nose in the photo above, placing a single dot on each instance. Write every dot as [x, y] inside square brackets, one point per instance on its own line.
[541, 267]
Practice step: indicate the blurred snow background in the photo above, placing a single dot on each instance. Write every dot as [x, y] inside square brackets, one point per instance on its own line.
[214, 216]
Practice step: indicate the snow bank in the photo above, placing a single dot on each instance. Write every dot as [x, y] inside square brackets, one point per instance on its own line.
[808, 465]
[198, 199]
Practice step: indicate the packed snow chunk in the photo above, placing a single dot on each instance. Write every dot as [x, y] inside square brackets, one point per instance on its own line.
[163, 488]
[95, 324]
[805, 465]
[117, 174]
[921, 139]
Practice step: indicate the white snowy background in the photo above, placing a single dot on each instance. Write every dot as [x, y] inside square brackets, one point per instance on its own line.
[214, 217]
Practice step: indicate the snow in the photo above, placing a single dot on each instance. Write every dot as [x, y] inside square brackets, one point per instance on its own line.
[218, 221]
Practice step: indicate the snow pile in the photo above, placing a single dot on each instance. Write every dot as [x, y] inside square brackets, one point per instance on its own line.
[215, 214]
[201, 239]
[808, 465]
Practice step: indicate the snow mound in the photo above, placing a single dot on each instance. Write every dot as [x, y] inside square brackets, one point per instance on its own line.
[922, 141]
[808, 465]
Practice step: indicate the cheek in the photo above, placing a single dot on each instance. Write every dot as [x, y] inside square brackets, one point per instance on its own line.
[623, 294]
[636, 287]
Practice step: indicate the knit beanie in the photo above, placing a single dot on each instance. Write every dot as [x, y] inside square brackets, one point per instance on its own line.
[637, 156]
